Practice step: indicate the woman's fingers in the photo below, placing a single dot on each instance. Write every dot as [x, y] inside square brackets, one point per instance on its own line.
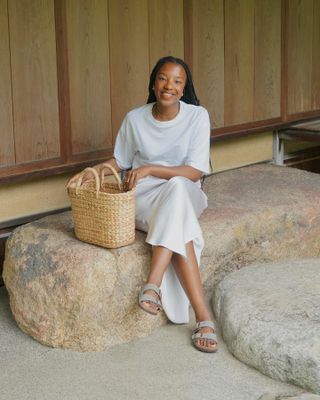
[73, 180]
[130, 179]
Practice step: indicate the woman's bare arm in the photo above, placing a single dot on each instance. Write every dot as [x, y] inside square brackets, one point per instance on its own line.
[161, 171]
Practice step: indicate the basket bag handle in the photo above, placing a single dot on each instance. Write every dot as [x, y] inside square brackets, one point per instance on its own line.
[114, 172]
[96, 177]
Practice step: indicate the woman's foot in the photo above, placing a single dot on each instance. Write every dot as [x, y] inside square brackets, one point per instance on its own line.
[150, 299]
[204, 337]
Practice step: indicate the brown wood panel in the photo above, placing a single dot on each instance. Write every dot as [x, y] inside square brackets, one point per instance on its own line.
[239, 61]
[299, 54]
[267, 60]
[316, 56]
[165, 29]
[63, 80]
[89, 75]
[34, 79]
[207, 48]
[129, 56]
[7, 156]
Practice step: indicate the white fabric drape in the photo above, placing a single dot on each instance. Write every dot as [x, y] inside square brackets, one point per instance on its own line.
[168, 210]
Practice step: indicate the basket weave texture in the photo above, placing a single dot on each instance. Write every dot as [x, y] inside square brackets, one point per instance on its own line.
[103, 213]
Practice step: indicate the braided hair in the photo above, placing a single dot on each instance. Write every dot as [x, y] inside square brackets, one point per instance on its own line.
[189, 94]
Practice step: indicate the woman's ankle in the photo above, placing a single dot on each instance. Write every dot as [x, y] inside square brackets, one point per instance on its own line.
[203, 315]
[154, 280]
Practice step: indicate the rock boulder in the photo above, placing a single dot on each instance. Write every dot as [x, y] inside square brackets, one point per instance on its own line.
[69, 294]
[270, 318]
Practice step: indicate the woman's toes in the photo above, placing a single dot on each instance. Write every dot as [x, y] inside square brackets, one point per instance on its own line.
[212, 344]
[149, 306]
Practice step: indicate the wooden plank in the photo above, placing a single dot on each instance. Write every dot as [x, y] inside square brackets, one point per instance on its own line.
[89, 75]
[207, 45]
[34, 79]
[129, 57]
[165, 38]
[63, 80]
[239, 61]
[7, 156]
[316, 56]
[267, 60]
[299, 47]
[284, 62]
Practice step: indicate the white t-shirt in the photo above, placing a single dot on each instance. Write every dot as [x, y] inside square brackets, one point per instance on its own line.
[184, 140]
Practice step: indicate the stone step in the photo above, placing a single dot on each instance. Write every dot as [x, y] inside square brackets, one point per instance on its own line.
[269, 315]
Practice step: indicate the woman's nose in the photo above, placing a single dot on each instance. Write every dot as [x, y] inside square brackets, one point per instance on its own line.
[168, 84]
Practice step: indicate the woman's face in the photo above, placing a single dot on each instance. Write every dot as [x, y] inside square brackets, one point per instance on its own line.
[169, 84]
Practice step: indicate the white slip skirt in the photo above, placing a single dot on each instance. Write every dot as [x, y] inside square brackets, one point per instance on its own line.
[168, 210]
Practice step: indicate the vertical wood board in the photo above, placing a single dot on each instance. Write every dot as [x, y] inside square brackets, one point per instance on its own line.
[129, 57]
[165, 29]
[89, 75]
[315, 104]
[207, 49]
[34, 79]
[7, 156]
[239, 61]
[299, 54]
[267, 61]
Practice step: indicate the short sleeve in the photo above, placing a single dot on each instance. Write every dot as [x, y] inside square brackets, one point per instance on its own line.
[199, 148]
[123, 148]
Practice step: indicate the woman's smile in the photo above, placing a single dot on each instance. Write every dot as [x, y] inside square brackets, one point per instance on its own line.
[169, 84]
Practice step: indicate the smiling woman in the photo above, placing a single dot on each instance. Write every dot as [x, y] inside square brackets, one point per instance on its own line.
[164, 147]
[168, 89]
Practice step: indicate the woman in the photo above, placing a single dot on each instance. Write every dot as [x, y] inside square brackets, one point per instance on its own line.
[164, 146]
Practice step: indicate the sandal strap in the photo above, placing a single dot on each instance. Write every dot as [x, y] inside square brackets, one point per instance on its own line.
[204, 324]
[151, 286]
[150, 299]
[204, 335]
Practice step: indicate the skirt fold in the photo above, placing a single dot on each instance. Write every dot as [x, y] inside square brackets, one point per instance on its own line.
[168, 210]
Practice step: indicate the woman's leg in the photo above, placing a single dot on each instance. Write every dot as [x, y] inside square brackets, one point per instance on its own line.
[161, 257]
[188, 273]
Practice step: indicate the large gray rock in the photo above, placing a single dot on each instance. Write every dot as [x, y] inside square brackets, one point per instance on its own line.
[270, 319]
[70, 294]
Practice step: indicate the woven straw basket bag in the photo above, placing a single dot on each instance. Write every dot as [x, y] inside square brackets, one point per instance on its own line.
[103, 213]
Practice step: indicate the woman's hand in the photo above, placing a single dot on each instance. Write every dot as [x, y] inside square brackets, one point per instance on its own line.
[88, 176]
[132, 177]
[73, 180]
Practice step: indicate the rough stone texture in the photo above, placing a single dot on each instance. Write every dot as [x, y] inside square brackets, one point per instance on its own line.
[69, 294]
[303, 396]
[270, 318]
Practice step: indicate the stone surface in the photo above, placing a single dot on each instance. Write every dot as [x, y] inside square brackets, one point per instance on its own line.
[270, 318]
[161, 366]
[69, 294]
[303, 396]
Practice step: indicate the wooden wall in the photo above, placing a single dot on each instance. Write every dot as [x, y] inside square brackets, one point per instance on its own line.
[71, 69]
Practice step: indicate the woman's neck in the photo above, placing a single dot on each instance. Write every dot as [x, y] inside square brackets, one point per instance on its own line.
[165, 113]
